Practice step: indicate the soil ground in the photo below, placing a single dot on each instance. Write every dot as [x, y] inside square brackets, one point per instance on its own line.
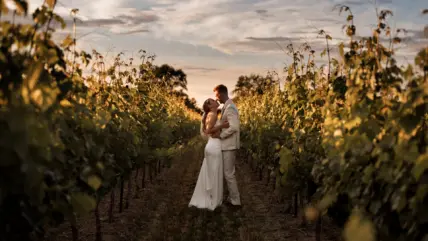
[161, 212]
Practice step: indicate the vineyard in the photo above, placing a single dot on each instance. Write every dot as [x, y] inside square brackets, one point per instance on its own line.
[90, 152]
[350, 144]
[67, 141]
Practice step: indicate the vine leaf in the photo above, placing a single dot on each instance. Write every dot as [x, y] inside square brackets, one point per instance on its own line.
[94, 182]
[82, 203]
[409, 122]
[4, 9]
[358, 228]
[327, 201]
[51, 3]
[421, 165]
[21, 6]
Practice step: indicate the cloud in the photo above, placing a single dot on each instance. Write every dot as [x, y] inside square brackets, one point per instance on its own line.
[225, 24]
[138, 17]
[199, 69]
[261, 11]
[135, 31]
[230, 32]
[97, 22]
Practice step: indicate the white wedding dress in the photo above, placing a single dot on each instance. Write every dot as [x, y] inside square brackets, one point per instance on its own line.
[208, 193]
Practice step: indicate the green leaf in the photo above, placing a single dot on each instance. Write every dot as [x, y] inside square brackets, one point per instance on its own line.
[421, 164]
[409, 122]
[327, 201]
[82, 203]
[286, 158]
[375, 206]
[323, 53]
[60, 20]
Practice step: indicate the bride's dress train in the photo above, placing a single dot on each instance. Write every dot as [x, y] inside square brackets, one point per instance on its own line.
[208, 193]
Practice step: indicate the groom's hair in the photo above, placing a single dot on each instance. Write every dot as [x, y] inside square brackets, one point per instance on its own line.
[221, 89]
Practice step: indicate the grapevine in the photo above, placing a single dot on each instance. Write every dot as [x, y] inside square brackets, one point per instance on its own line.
[350, 144]
[69, 139]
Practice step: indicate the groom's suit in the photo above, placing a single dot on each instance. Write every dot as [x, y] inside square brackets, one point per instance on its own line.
[229, 144]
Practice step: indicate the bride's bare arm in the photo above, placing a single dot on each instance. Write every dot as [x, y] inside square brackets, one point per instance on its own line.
[210, 123]
[218, 128]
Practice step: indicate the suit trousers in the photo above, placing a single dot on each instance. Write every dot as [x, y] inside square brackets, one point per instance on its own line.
[229, 158]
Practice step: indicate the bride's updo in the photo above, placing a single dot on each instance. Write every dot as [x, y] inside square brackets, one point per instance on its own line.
[206, 109]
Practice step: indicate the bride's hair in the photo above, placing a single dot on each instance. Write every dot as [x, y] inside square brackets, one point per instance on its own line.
[206, 109]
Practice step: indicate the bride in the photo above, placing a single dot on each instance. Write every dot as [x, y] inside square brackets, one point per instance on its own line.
[208, 193]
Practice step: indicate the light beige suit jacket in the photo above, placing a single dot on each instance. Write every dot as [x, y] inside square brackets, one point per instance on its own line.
[230, 136]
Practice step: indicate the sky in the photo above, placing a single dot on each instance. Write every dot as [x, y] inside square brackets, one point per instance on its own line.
[216, 41]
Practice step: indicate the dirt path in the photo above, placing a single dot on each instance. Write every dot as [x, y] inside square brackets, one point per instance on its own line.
[161, 213]
[264, 218]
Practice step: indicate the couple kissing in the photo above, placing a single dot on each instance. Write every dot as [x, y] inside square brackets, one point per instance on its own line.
[219, 154]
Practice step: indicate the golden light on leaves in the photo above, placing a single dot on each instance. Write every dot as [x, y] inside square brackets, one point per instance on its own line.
[33, 76]
[65, 103]
[44, 97]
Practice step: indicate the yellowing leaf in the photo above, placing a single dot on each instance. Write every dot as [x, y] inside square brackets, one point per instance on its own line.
[358, 229]
[51, 3]
[67, 41]
[353, 123]
[44, 97]
[4, 9]
[65, 103]
[33, 76]
[94, 181]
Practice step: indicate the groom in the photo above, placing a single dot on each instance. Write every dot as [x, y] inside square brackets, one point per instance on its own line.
[229, 141]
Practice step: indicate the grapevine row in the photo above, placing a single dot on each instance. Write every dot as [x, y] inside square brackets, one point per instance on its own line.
[350, 142]
[69, 139]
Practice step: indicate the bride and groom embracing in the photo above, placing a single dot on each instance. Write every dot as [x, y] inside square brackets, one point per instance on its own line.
[220, 153]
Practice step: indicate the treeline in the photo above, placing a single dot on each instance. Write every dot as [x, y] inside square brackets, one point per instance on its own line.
[350, 143]
[68, 139]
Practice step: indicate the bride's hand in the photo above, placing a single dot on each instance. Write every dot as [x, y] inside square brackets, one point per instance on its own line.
[225, 124]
